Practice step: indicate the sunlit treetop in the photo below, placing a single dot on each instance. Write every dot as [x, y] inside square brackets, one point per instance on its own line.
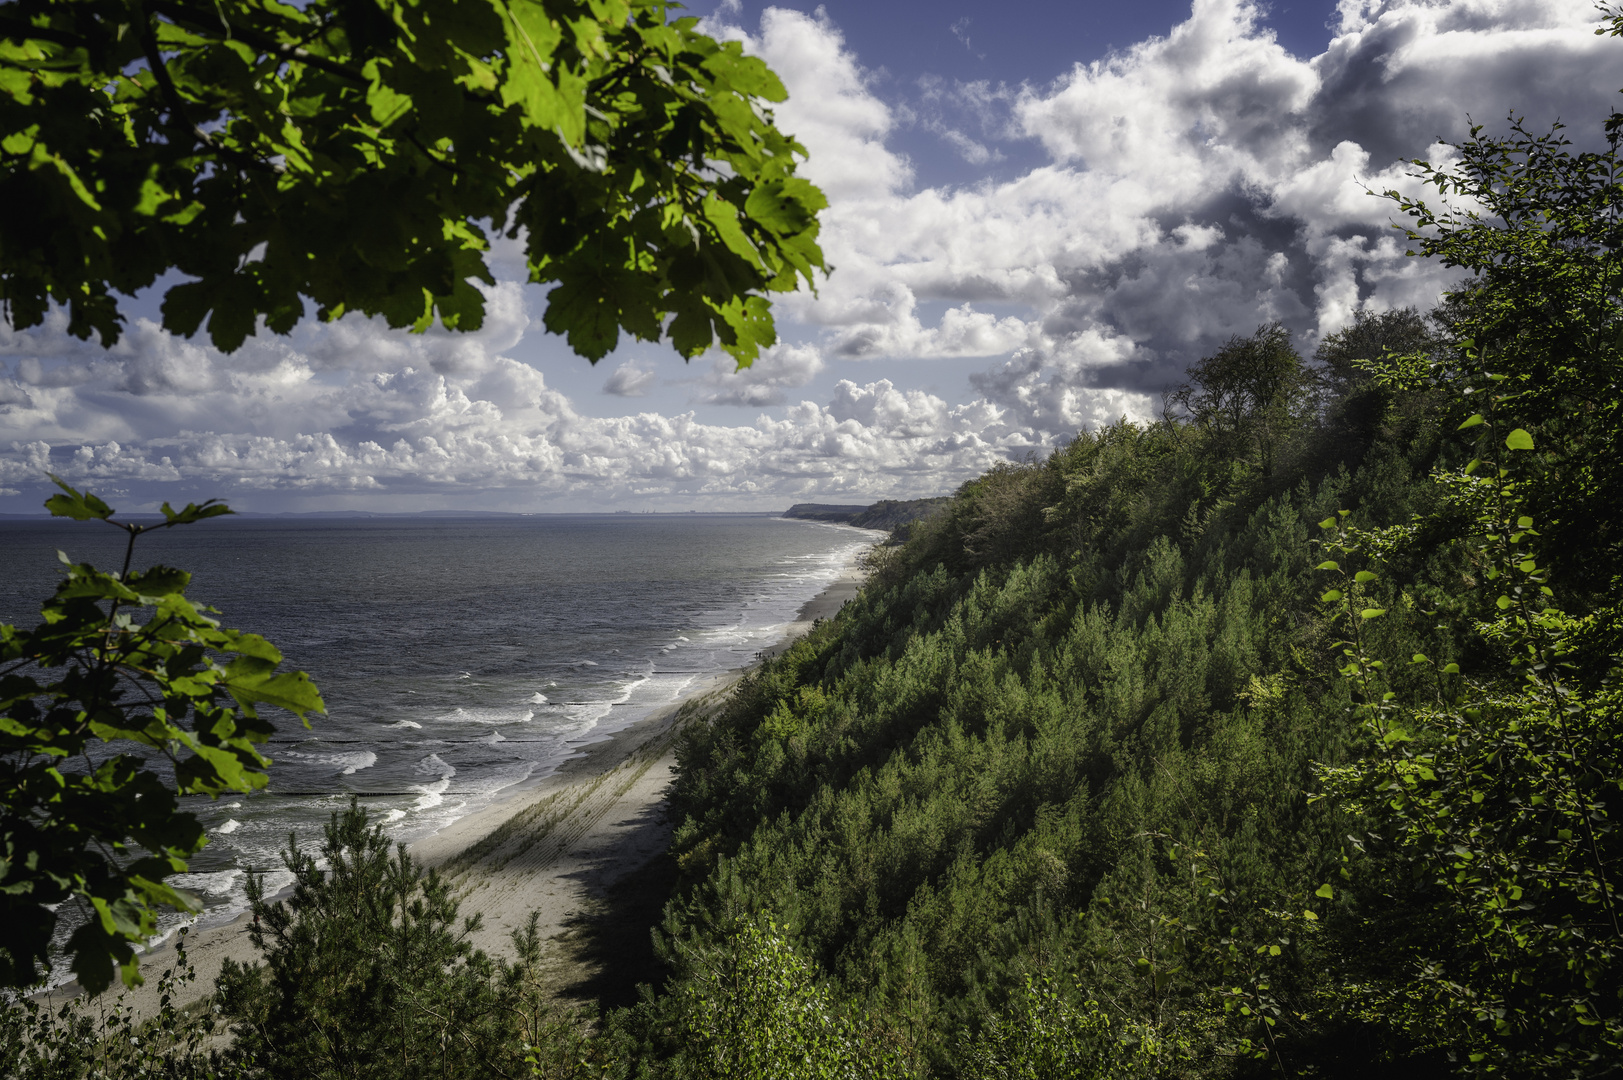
[361, 155]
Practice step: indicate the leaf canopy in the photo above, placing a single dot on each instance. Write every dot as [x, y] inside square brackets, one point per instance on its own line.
[364, 155]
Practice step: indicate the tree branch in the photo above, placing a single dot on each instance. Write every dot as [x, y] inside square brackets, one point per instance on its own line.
[260, 40]
[177, 104]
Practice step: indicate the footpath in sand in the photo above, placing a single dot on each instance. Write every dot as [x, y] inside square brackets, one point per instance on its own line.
[558, 848]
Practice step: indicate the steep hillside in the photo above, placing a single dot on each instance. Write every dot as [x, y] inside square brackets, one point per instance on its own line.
[1099, 725]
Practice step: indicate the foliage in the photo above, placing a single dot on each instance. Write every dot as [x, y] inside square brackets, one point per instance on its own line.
[753, 1008]
[1249, 394]
[985, 768]
[1540, 328]
[367, 973]
[104, 720]
[1344, 356]
[1494, 798]
[1355, 403]
[38, 1042]
[1043, 1036]
[1095, 777]
[363, 154]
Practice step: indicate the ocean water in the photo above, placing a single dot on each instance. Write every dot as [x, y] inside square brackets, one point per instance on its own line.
[459, 658]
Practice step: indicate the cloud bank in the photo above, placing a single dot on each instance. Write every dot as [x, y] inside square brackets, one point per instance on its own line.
[1190, 187]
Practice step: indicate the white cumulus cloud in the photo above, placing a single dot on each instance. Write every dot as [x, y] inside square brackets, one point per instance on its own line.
[1189, 188]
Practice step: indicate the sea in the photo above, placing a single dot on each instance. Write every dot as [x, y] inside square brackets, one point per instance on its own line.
[460, 658]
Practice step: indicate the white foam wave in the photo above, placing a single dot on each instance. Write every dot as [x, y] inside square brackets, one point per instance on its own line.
[489, 716]
[404, 724]
[434, 765]
[347, 763]
[538, 699]
[230, 826]
[432, 794]
[216, 883]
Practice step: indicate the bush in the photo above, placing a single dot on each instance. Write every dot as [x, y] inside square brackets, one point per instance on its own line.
[367, 973]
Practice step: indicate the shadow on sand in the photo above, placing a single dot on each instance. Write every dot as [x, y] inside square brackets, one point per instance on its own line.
[610, 946]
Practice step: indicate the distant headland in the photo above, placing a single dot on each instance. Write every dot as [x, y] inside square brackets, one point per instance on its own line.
[885, 514]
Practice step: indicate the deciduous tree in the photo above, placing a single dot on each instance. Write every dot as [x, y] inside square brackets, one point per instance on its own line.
[364, 154]
[126, 696]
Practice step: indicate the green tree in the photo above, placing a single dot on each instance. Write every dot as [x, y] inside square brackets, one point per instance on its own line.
[1248, 394]
[362, 153]
[83, 1037]
[1042, 1035]
[1492, 800]
[1343, 357]
[750, 1007]
[1540, 324]
[367, 972]
[105, 717]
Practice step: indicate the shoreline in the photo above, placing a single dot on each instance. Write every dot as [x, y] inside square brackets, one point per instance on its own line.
[552, 846]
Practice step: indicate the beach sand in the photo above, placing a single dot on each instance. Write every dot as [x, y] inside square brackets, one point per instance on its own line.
[556, 848]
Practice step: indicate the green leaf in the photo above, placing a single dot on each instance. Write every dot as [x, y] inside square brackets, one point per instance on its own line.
[76, 505]
[1328, 565]
[157, 582]
[1372, 613]
[586, 316]
[194, 512]
[1471, 423]
[1519, 440]
[292, 691]
[785, 206]
[1363, 577]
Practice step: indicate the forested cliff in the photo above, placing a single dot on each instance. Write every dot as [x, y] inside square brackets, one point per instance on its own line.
[1278, 736]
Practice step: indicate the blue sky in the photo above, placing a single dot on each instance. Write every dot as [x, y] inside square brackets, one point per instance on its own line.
[1040, 214]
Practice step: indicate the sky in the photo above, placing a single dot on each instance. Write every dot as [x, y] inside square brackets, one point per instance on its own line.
[1040, 214]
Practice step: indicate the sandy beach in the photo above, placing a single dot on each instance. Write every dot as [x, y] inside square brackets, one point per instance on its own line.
[556, 847]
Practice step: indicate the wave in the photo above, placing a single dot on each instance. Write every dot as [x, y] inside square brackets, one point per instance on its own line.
[215, 883]
[348, 763]
[477, 715]
[434, 765]
[432, 794]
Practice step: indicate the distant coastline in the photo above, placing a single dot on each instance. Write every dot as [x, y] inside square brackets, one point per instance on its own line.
[887, 514]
